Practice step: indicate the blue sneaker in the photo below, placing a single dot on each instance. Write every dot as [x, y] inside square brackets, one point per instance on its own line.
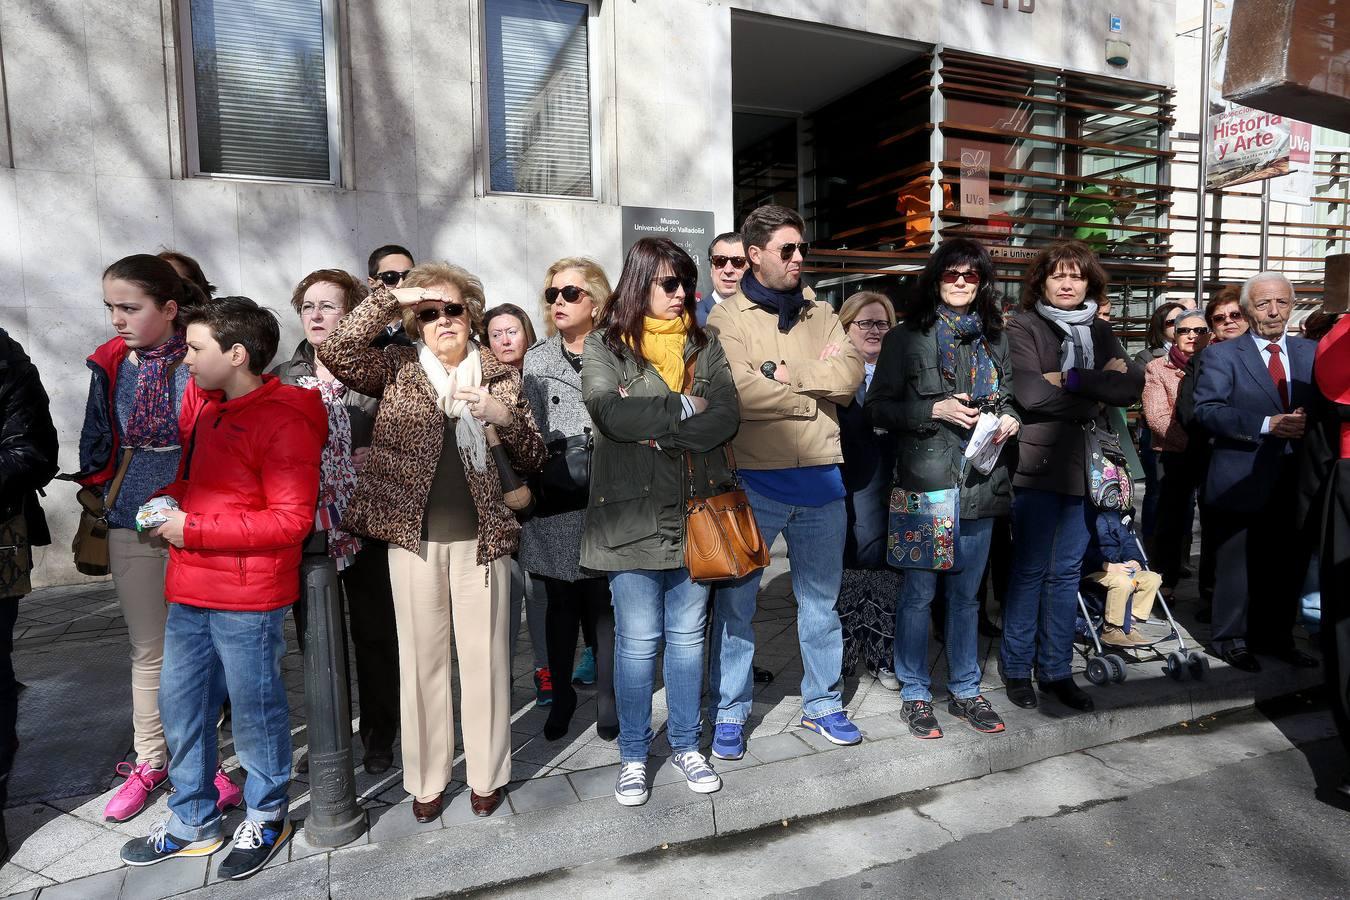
[835, 728]
[727, 741]
[585, 670]
[161, 845]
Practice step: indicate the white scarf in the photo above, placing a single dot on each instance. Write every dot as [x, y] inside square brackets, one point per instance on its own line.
[1075, 351]
[469, 433]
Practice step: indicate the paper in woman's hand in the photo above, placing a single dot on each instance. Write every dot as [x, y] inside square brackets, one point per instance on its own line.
[981, 451]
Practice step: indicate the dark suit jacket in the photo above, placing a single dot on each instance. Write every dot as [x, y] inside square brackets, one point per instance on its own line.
[704, 307]
[1233, 395]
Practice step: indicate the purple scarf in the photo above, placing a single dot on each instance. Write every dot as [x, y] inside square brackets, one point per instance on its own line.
[152, 422]
[1178, 358]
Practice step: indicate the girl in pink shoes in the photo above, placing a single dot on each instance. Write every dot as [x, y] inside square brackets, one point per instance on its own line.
[129, 449]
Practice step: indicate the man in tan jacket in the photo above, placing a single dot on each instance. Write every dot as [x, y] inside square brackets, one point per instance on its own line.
[793, 365]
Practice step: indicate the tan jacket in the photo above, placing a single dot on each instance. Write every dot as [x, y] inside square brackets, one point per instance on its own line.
[785, 426]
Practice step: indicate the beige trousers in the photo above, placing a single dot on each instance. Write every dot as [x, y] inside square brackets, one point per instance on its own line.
[1119, 588]
[440, 589]
[138, 563]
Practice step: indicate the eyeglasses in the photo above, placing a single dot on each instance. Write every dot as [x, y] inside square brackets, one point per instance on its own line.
[571, 293]
[1234, 316]
[951, 275]
[737, 262]
[392, 278]
[1263, 305]
[1196, 330]
[872, 325]
[786, 250]
[432, 313]
[326, 309]
[1170, 322]
[671, 282]
[503, 333]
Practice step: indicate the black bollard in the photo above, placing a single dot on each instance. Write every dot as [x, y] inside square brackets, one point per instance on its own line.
[334, 816]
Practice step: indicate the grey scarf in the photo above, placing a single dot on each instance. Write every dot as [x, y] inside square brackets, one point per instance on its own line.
[1075, 351]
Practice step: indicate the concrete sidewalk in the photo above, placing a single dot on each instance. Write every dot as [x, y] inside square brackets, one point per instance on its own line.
[75, 724]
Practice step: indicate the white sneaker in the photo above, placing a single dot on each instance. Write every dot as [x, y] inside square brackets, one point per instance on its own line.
[697, 773]
[631, 788]
[887, 679]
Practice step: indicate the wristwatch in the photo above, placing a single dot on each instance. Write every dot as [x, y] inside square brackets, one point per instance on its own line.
[767, 368]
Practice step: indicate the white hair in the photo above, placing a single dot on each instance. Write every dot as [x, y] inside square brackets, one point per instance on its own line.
[1244, 301]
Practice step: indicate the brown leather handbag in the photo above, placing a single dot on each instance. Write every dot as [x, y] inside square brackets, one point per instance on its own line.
[721, 540]
[90, 545]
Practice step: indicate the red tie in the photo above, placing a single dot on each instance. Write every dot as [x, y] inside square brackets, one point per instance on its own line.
[1278, 376]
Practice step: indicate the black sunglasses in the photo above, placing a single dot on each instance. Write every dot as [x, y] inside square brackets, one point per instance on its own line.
[1196, 330]
[432, 313]
[571, 293]
[785, 252]
[1170, 322]
[671, 282]
[391, 277]
[737, 262]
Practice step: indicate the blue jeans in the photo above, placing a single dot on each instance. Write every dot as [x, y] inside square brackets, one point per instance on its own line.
[815, 538]
[961, 589]
[648, 606]
[1050, 536]
[208, 652]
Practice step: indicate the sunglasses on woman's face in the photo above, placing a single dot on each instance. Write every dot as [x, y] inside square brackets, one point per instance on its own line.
[1170, 322]
[1228, 317]
[1196, 330]
[392, 278]
[737, 262]
[671, 283]
[571, 293]
[951, 275]
[432, 313]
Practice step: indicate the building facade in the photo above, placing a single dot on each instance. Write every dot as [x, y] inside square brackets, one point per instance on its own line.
[268, 138]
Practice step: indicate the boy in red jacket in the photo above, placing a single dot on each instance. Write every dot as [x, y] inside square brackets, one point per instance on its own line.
[246, 492]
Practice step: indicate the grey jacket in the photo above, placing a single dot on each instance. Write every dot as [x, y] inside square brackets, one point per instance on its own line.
[551, 545]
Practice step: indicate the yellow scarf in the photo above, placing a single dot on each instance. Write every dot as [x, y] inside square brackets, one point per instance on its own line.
[663, 347]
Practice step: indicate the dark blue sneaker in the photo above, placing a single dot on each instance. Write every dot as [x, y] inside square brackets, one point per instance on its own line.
[161, 845]
[254, 844]
[835, 728]
[727, 741]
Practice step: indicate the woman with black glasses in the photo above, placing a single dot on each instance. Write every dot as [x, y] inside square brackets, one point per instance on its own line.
[575, 292]
[948, 362]
[431, 489]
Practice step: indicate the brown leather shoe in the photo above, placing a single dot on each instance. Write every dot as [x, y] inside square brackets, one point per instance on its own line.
[486, 804]
[428, 812]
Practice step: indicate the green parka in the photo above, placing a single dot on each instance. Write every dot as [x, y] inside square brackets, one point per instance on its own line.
[635, 517]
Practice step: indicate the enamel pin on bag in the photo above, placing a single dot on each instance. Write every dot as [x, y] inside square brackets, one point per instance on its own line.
[924, 526]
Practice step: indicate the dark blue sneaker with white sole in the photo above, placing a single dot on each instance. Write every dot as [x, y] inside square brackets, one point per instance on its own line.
[728, 741]
[255, 843]
[835, 728]
[161, 845]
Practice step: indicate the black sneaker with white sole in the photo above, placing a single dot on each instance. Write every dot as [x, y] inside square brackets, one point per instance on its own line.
[161, 845]
[977, 713]
[255, 843]
[922, 722]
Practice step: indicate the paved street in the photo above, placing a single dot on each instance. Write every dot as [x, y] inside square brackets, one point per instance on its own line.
[1229, 806]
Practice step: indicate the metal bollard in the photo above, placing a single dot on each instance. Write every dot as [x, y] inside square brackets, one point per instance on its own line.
[334, 816]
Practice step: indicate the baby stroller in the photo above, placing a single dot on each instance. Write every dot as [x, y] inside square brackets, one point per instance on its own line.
[1105, 667]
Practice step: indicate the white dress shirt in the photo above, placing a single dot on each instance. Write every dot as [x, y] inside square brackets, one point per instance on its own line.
[1263, 347]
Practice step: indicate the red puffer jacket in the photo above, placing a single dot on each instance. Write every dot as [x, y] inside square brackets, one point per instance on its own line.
[249, 483]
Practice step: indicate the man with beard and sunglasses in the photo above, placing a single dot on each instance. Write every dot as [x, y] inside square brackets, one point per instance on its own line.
[726, 266]
[387, 267]
[794, 366]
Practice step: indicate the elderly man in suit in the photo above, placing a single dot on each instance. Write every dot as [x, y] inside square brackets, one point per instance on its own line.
[1250, 393]
[726, 265]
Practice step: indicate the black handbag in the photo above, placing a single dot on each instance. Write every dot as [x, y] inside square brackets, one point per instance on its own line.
[564, 483]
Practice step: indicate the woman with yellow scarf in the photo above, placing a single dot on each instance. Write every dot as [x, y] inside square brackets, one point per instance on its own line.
[659, 390]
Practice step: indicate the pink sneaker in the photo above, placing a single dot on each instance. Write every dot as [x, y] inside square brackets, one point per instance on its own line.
[231, 795]
[135, 792]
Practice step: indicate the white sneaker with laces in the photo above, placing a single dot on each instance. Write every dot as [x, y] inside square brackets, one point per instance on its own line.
[631, 787]
[887, 679]
[697, 773]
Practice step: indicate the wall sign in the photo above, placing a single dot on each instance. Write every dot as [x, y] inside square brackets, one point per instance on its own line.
[975, 183]
[691, 229]
[1026, 6]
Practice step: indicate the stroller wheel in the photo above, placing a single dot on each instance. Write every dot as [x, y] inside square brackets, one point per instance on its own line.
[1117, 667]
[1098, 670]
[1199, 664]
[1176, 665]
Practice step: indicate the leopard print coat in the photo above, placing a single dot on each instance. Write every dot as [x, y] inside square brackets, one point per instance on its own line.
[392, 490]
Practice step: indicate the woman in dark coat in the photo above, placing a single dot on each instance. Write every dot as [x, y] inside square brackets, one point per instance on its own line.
[1067, 368]
[939, 370]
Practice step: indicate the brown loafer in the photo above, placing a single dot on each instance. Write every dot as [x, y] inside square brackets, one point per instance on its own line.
[486, 804]
[428, 812]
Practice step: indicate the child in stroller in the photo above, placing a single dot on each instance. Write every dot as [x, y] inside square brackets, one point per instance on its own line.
[1112, 562]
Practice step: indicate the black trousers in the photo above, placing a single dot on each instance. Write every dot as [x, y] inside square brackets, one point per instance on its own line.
[584, 603]
[370, 604]
[1261, 557]
[1176, 515]
[9, 696]
[1334, 574]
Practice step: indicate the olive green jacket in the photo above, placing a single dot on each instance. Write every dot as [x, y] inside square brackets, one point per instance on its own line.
[635, 518]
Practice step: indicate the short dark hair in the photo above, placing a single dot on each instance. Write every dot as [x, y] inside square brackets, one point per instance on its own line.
[1077, 253]
[763, 221]
[353, 291]
[379, 253]
[621, 321]
[158, 279]
[238, 320]
[194, 270]
[1225, 295]
[1155, 338]
[921, 306]
[509, 309]
[728, 236]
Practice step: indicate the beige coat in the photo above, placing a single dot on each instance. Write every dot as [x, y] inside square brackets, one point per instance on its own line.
[786, 426]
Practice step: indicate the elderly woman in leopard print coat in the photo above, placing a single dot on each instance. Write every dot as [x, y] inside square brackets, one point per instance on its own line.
[431, 489]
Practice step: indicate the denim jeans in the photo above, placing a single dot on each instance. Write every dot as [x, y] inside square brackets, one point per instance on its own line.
[961, 590]
[1051, 537]
[815, 539]
[206, 653]
[648, 606]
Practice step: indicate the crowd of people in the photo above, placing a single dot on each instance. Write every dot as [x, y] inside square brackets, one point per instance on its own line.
[388, 444]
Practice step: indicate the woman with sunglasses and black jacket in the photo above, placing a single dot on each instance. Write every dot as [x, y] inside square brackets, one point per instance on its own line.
[575, 291]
